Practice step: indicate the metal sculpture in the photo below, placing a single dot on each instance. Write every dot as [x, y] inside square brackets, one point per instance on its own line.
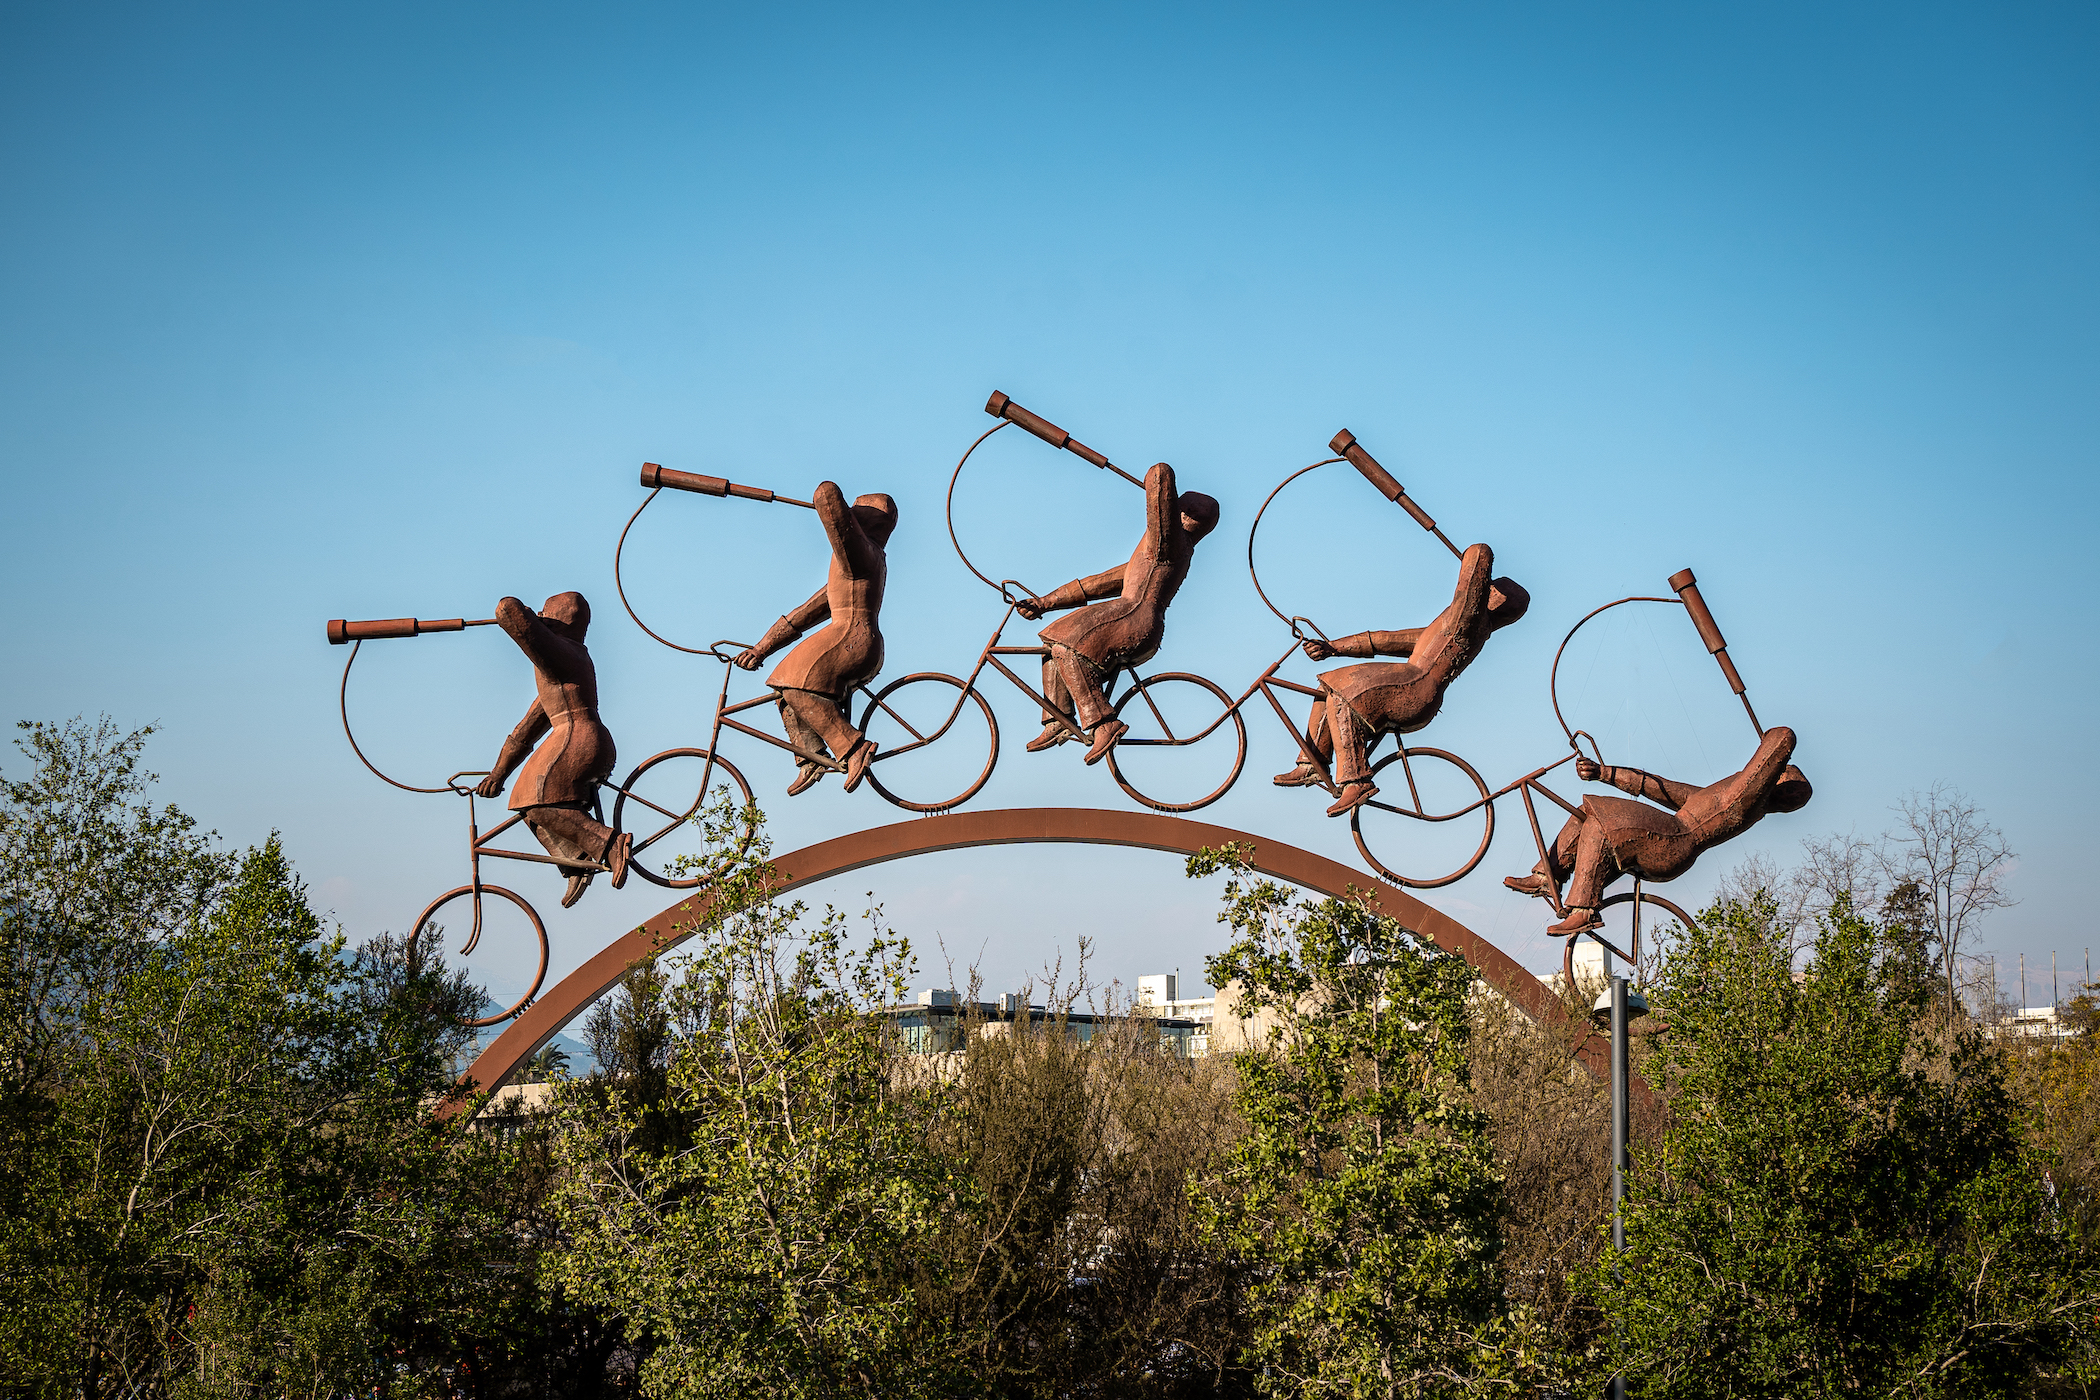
[1361, 704]
[652, 793]
[1128, 620]
[1611, 836]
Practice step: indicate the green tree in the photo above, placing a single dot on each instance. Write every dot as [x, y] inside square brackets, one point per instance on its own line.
[1840, 1204]
[764, 1243]
[1363, 1198]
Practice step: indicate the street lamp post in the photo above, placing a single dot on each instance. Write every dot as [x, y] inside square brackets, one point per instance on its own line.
[1615, 1006]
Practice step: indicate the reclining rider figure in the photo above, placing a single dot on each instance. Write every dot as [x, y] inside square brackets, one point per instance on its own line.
[1361, 704]
[1614, 836]
[816, 680]
[1128, 620]
[558, 786]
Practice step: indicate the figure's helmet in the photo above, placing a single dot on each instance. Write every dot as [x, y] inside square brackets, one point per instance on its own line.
[877, 515]
[1791, 792]
[571, 611]
[1507, 601]
[1202, 509]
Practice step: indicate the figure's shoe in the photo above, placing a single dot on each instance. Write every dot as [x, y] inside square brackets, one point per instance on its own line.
[1354, 795]
[857, 763]
[1105, 735]
[1304, 775]
[807, 776]
[577, 885]
[1578, 921]
[1054, 733]
[1534, 884]
[617, 856]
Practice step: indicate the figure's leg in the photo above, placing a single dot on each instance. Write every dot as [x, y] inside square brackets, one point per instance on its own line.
[808, 773]
[825, 715]
[1319, 737]
[1593, 870]
[1352, 769]
[1055, 731]
[1091, 706]
[570, 833]
[1552, 871]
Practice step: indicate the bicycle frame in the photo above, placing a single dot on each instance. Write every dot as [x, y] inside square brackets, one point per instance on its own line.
[478, 846]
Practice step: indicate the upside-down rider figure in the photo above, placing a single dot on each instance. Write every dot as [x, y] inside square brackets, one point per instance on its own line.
[1614, 836]
[816, 681]
[557, 788]
[1361, 704]
[1127, 621]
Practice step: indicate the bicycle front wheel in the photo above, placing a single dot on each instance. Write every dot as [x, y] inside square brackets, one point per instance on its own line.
[1181, 728]
[484, 926]
[663, 797]
[906, 717]
[1432, 803]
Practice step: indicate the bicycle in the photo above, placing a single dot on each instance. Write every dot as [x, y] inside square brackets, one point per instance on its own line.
[669, 772]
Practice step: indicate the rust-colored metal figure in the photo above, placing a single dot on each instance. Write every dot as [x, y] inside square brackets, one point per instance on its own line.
[818, 677]
[1612, 836]
[561, 751]
[1362, 703]
[1128, 621]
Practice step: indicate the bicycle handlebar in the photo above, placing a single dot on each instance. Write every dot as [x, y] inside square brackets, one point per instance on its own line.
[1346, 445]
[341, 630]
[657, 477]
[1000, 406]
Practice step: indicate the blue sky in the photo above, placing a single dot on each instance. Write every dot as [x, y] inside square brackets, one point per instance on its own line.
[308, 314]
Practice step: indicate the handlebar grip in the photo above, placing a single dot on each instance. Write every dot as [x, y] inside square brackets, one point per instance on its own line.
[1000, 406]
[341, 631]
[654, 476]
[1687, 588]
[1346, 445]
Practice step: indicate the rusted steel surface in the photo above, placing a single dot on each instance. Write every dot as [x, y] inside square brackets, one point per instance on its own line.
[538, 1023]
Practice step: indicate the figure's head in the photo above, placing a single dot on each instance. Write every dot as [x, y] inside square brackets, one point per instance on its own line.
[568, 614]
[1507, 601]
[1791, 792]
[1199, 514]
[877, 515]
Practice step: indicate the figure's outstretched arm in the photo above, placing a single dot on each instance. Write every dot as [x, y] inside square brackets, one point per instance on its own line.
[1364, 645]
[1076, 594]
[1162, 512]
[515, 747]
[789, 628]
[530, 631]
[850, 544]
[1638, 782]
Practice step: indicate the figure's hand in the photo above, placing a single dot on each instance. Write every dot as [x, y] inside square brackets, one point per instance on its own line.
[750, 658]
[1031, 608]
[491, 786]
[1318, 650]
[1587, 769]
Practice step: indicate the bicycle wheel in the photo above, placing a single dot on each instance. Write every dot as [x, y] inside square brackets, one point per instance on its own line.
[663, 798]
[1169, 713]
[1430, 788]
[479, 930]
[1618, 933]
[904, 719]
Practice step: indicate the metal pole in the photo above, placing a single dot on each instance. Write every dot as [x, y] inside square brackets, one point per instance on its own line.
[1619, 1163]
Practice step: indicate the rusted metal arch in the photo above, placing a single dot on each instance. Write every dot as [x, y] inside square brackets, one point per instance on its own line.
[539, 1022]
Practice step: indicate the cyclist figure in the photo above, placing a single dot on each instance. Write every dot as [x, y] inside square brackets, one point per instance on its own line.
[1130, 621]
[558, 786]
[1614, 836]
[1361, 704]
[817, 678]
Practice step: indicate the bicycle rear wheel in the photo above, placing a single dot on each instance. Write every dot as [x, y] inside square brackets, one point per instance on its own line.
[1430, 788]
[663, 797]
[426, 919]
[1618, 934]
[904, 719]
[1169, 715]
